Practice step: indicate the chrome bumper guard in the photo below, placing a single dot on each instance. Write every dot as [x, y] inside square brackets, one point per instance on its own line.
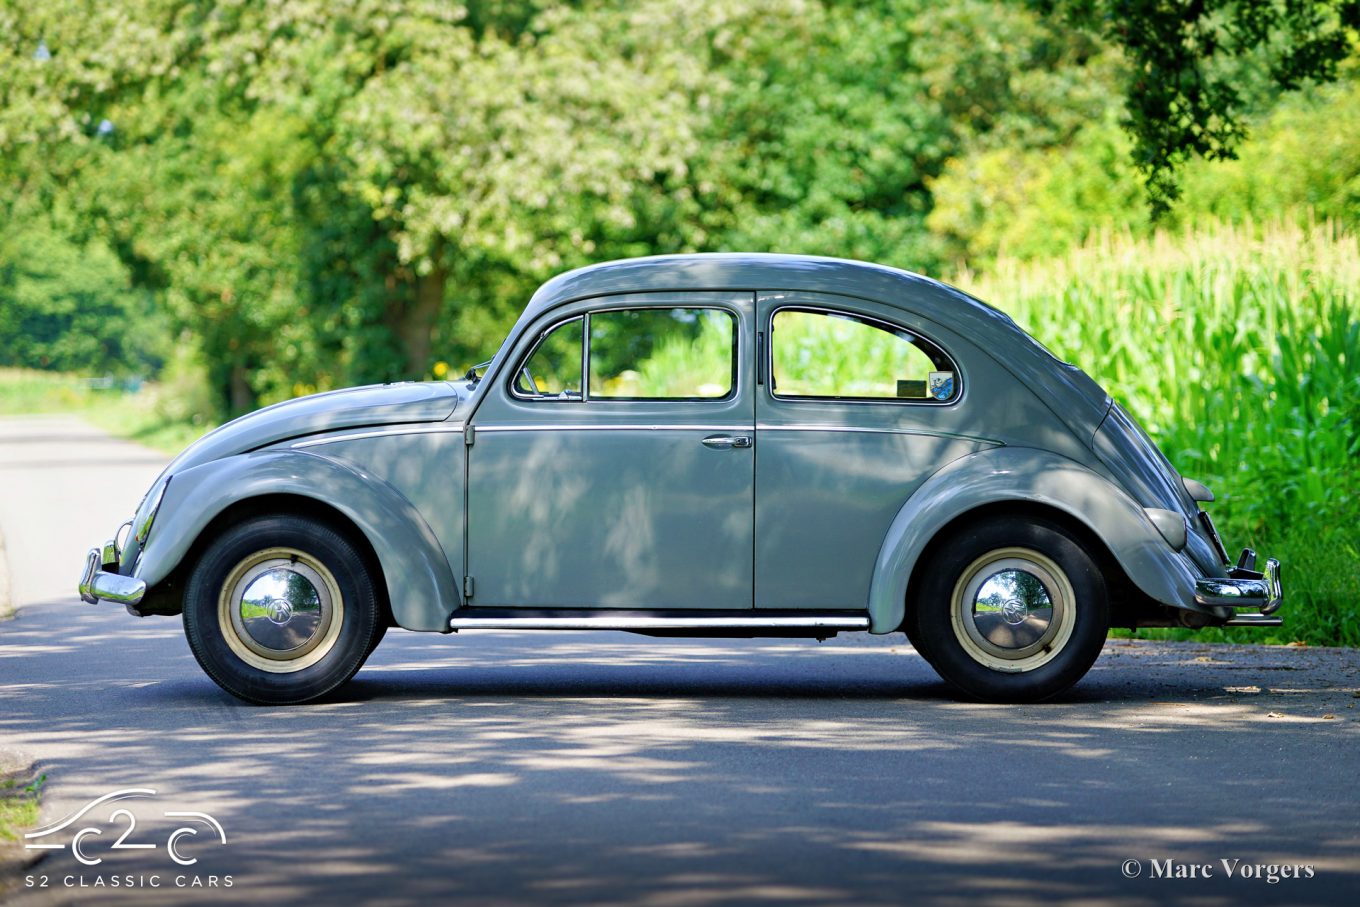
[97, 584]
[1244, 588]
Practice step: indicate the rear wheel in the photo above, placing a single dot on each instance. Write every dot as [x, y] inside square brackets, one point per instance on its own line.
[281, 609]
[1011, 610]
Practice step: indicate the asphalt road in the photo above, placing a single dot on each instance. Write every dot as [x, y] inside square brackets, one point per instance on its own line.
[601, 768]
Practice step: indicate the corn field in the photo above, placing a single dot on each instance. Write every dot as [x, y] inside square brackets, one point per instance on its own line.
[1238, 347]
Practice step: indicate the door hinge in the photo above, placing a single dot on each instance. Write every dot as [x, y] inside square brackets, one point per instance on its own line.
[469, 435]
[467, 587]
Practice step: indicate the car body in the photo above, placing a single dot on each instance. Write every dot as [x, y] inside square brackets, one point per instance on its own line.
[734, 444]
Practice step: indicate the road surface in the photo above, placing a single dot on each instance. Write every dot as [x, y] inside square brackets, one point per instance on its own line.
[596, 768]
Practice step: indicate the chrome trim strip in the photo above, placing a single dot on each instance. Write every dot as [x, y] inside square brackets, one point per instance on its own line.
[1253, 620]
[605, 622]
[880, 431]
[438, 428]
[620, 427]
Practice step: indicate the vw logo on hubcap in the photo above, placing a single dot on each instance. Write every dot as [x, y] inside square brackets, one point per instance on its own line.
[279, 611]
[1014, 611]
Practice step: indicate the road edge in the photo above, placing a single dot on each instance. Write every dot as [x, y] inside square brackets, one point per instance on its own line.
[6, 606]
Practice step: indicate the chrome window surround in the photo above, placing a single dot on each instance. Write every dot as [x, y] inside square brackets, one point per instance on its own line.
[513, 378]
[767, 365]
[735, 378]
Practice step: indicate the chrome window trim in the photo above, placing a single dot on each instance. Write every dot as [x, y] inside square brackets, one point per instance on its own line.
[511, 379]
[768, 364]
[733, 392]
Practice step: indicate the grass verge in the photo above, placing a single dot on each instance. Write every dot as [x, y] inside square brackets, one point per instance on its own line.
[147, 414]
[20, 805]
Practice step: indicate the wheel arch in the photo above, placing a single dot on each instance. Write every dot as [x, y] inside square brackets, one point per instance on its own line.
[1125, 598]
[414, 579]
[1022, 481]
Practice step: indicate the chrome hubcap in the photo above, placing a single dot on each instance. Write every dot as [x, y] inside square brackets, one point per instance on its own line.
[1013, 609]
[280, 610]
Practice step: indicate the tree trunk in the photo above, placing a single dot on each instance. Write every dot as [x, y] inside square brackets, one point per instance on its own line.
[242, 396]
[413, 322]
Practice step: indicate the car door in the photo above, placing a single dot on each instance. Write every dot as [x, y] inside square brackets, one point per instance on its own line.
[857, 406]
[612, 463]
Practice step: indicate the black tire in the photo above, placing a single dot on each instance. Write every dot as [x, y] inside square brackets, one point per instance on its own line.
[377, 637]
[264, 585]
[1010, 610]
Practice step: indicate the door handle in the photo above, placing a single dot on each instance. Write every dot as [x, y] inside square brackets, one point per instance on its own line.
[727, 442]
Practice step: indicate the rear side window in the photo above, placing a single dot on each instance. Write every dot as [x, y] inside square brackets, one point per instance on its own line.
[816, 354]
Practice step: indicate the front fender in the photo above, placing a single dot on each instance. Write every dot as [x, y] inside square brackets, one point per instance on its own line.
[1025, 475]
[420, 584]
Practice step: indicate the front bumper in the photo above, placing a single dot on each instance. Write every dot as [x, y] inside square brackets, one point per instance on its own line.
[98, 583]
[1243, 590]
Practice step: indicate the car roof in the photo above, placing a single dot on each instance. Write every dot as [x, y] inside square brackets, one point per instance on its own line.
[763, 271]
[1071, 393]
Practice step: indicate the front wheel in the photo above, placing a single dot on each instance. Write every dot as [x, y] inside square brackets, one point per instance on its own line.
[281, 610]
[1011, 610]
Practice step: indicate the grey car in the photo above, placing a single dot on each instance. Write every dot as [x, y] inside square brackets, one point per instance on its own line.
[703, 445]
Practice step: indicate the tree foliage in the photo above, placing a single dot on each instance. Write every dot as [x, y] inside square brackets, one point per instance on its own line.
[326, 192]
[1185, 88]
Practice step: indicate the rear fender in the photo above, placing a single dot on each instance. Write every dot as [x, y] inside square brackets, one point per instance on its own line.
[1025, 476]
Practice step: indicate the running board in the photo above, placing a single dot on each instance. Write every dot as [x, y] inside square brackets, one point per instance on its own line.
[635, 622]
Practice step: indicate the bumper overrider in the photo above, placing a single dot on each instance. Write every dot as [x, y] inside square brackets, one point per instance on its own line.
[1251, 598]
[101, 581]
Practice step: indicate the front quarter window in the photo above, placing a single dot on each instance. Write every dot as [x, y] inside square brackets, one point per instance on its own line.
[553, 370]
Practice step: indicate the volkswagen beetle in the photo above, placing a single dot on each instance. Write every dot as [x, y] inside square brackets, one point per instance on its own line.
[709, 445]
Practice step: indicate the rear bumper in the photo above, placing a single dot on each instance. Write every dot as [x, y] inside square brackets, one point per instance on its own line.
[1247, 598]
[98, 584]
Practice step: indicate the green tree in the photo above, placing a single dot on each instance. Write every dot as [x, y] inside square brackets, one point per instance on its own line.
[1184, 86]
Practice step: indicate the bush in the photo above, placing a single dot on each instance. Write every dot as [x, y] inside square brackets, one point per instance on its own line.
[70, 308]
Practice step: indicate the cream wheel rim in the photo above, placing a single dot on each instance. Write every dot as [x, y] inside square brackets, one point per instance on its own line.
[1013, 610]
[280, 610]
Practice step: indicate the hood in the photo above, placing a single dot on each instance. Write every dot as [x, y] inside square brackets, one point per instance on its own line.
[358, 407]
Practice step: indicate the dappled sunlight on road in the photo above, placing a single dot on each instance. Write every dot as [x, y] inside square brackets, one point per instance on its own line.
[610, 769]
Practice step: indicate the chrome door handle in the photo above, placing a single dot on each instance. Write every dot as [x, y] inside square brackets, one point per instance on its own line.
[727, 442]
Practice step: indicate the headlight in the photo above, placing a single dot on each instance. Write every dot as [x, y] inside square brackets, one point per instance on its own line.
[146, 514]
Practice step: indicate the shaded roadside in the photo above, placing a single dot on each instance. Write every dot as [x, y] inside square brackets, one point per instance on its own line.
[21, 782]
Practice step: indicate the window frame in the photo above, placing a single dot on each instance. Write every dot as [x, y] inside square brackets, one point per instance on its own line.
[734, 378]
[512, 380]
[768, 356]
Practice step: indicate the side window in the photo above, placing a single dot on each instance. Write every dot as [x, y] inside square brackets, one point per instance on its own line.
[840, 356]
[662, 354]
[553, 369]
